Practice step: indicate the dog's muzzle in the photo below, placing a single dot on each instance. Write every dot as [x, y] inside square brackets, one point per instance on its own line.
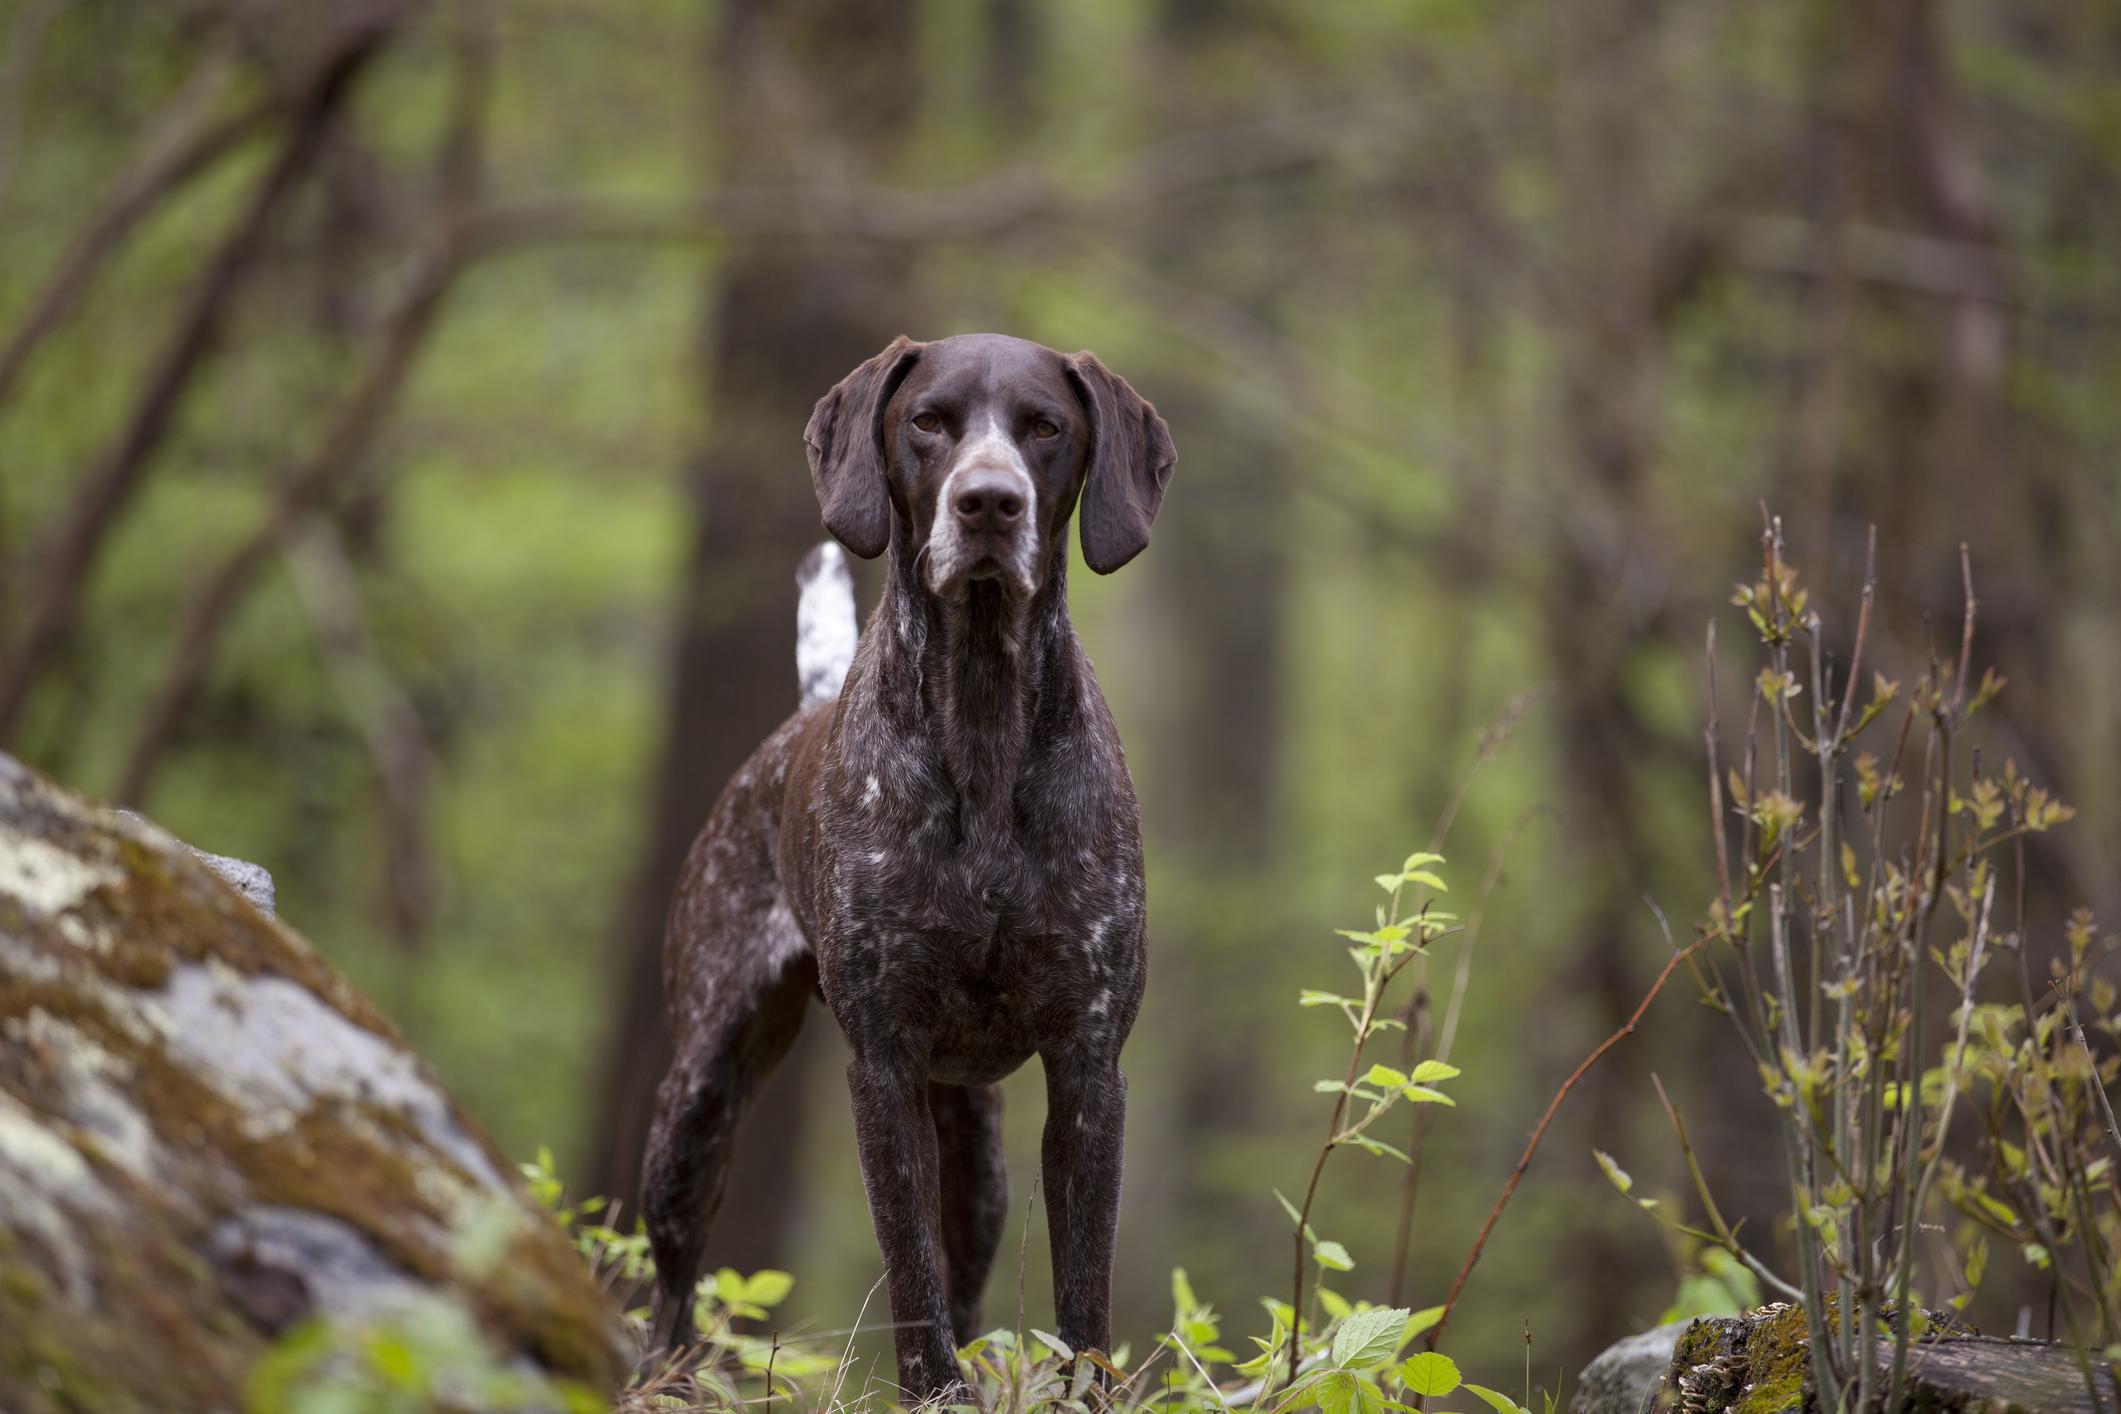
[986, 521]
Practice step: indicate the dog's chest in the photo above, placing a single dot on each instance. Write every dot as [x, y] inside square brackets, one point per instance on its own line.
[986, 950]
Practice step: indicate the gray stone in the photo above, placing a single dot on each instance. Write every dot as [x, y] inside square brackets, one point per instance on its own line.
[1624, 1378]
[207, 1136]
[253, 881]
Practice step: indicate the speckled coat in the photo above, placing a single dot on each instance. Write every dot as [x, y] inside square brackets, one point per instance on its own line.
[948, 851]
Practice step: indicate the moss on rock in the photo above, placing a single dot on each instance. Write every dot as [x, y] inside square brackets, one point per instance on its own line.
[1759, 1363]
[207, 1135]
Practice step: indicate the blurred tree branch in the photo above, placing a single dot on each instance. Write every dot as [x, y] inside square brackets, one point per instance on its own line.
[181, 141]
[351, 431]
[386, 719]
[987, 208]
[62, 565]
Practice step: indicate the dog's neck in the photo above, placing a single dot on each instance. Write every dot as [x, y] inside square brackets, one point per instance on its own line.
[972, 675]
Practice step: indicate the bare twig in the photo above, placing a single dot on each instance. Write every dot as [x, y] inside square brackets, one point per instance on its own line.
[1723, 1231]
[1524, 1160]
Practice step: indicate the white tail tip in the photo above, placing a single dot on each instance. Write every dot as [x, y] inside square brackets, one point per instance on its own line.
[825, 630]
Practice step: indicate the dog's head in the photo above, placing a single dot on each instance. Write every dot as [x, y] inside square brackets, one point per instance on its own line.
[980, 446]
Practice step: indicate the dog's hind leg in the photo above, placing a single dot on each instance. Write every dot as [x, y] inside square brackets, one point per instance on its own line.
[975, 1193]
[735, 1018]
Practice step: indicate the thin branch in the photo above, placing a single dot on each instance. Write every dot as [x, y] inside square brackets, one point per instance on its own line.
[985, 208]
[183, 140]
[385, 718]
[359, 419]
[350, 433]
[1524, 1160]
[1722, 1230]
[1461, 982]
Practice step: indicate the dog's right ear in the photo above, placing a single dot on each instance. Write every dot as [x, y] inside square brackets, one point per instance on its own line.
[845, 440]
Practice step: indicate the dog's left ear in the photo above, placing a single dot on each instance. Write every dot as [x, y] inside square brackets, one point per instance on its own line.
[845, 439]
[1131, 457]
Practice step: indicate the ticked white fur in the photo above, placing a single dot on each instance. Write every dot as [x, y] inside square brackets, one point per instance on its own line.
[825, 628]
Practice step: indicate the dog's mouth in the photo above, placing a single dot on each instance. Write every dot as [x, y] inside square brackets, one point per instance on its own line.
[1011, 568]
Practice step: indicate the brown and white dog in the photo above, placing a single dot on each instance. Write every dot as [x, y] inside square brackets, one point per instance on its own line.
[942, 841]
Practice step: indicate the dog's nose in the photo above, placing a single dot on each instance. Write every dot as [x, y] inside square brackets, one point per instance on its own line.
[988, 499]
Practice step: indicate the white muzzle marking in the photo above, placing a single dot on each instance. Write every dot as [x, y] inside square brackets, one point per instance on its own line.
[951, 553]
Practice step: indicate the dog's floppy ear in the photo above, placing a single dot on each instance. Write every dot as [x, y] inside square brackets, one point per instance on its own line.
[845, 440]
[1130, 464]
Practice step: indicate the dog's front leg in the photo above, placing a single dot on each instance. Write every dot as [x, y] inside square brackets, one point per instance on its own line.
[1086, 1120]
[896, 1137]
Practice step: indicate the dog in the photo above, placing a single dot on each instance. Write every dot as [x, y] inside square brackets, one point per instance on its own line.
[942, 842]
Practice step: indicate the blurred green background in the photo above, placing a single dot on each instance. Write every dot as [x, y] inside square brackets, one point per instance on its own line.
[401, 483]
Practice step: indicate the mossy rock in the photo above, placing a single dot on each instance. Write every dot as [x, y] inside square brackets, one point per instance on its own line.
[207, 1136]
[1759, 1363]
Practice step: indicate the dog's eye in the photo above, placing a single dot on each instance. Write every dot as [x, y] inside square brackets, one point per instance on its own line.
[927, 422]
[1044, 430]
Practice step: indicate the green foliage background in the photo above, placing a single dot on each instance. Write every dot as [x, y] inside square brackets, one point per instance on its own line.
[1477, 389]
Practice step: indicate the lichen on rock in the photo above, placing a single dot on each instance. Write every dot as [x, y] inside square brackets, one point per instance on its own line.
[1759, 1363]
[207, 1136]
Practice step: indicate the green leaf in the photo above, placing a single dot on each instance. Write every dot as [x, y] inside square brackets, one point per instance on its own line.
[768, 1288]
[1182, 1297]
[1054, 1343]
[1336, 1394]
[1430, 1071]
[1429, 1374]
[1420, 858]
[1423, 876]
[2001, 1210]
[1385, 1075]
[1388, 882]
[1311, 996]
[1423, 1095]
[1334, 1256]
[1495, 1399]
[1613, 1171]
[1420, 1321]
[1379, 1148]
[1369, 1338]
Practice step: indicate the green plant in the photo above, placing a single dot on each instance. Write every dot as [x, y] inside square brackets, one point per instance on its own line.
[424, 1357]
[1837, 924]
[1339, 1355]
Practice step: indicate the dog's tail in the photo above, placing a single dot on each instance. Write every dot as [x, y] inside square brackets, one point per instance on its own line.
[825, 631]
